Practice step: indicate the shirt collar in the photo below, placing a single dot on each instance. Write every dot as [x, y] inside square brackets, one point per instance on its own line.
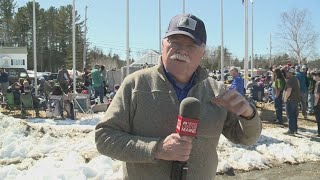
[174, 83]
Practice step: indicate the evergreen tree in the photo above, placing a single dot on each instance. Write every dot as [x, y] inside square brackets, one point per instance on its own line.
[6, 22]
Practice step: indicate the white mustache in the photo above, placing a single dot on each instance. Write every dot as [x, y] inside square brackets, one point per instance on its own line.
[180, 57]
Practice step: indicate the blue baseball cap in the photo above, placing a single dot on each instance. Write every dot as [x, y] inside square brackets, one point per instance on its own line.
[189, 25]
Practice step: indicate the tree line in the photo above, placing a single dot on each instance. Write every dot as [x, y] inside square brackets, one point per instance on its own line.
[54, 36]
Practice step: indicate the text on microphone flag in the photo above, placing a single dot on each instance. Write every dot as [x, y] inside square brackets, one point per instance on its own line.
[187, 126]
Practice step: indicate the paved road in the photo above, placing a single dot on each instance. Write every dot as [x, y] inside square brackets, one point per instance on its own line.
[305, 171]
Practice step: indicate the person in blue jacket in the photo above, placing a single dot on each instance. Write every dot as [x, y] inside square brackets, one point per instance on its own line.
[237, 82]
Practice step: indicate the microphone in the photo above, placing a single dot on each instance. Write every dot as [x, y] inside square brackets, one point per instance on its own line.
[187, 125]
[188, 118]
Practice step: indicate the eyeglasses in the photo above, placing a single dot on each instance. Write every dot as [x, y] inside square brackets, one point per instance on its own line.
[175, 44]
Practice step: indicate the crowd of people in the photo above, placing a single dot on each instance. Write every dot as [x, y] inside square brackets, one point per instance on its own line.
[91, 82]
[295, 87]
[292, 87]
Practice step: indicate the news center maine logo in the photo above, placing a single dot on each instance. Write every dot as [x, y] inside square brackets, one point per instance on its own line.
[187, 126]
[190, 127]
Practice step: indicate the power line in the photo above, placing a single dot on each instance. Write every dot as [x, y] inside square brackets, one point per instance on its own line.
[120, 49]
[113, 45]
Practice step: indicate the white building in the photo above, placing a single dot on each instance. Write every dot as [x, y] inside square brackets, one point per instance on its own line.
[13, 57]
[151, 58]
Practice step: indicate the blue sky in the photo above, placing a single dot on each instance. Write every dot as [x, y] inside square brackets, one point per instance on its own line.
[107, 23]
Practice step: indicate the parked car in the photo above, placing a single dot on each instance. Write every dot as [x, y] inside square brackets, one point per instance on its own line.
[16, 73]
[53, 76]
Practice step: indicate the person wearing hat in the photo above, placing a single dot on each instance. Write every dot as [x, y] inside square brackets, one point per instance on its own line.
[316, 77]
[291, 100]
[140, 123]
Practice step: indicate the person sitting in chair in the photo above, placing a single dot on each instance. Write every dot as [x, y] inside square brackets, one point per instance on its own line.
[112, 94]
[25, 89]
[67, 102]
[27, 86]
[16, 90]
[58, 105]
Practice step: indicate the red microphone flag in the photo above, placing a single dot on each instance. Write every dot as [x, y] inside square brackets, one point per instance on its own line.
[187, 126]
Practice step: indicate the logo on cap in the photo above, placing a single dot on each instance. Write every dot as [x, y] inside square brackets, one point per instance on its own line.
[187, 22]
[189, 25]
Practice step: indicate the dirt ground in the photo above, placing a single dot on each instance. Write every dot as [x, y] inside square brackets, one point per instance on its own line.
[268, 116]
[305, 171]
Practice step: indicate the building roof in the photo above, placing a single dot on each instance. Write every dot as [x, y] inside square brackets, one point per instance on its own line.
[13, 50]
[151, 58]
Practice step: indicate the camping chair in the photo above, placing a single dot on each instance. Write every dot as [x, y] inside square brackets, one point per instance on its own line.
[27, 103]
[55, 106]
[9, 101]
[82, 106]
[256, 95]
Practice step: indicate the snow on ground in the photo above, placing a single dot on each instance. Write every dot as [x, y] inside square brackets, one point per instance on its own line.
[55, 149]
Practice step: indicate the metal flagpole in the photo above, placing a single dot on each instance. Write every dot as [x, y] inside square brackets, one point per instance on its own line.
[246, 42]
[160, 26]
[252, 54]
[85, 40]
[127, 37]
[74, 55]
[222, 47]
[35, 49]
[183, 6]
[74, 45]
[270, 51]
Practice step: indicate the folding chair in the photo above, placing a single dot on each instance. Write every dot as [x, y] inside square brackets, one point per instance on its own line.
[55, 106]
[9, 101]
[2, 99]
[27, 103]
[257, 95]
[82, 106]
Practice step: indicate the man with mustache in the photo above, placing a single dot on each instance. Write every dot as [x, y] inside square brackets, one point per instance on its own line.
[139, 125]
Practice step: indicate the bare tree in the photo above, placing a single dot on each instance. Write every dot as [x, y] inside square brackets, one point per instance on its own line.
[297, 34]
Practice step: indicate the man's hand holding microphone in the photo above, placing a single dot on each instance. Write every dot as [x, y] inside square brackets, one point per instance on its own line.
[177, 146]
[174, 147]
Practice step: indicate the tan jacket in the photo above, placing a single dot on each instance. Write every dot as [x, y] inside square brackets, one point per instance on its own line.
[145, 109]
